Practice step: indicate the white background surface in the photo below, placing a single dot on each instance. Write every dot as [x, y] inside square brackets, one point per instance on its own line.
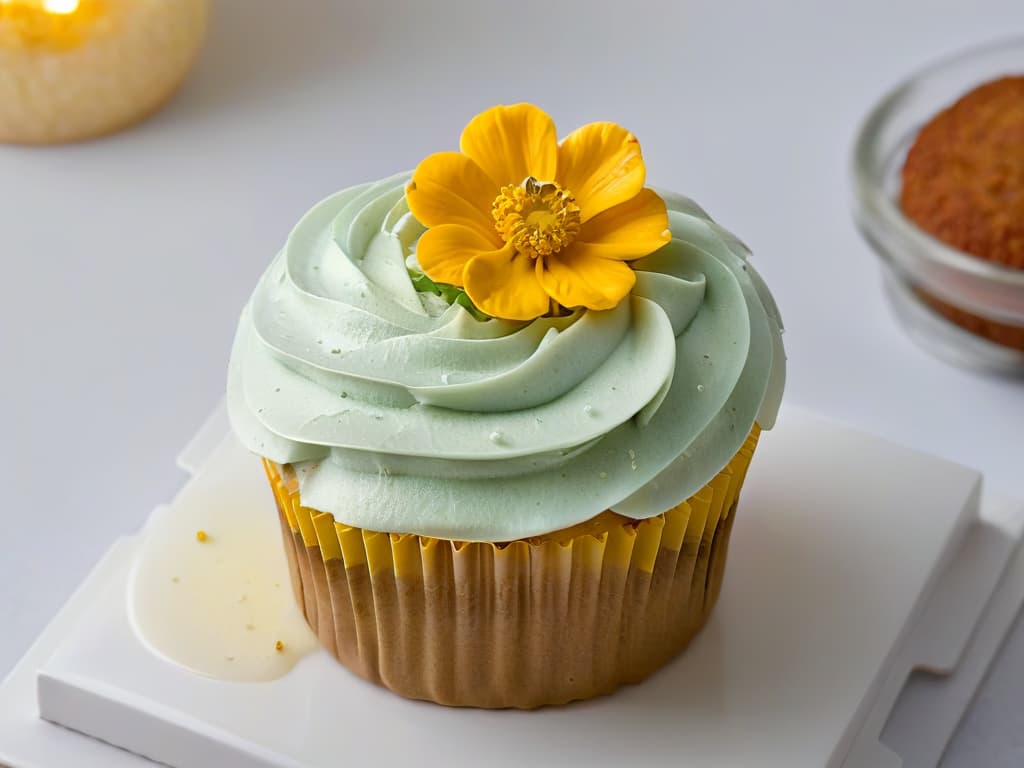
[126, 261]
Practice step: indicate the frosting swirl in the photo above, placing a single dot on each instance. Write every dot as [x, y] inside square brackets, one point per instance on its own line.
[403, 413]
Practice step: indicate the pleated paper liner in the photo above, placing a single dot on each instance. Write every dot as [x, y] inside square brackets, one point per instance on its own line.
[545, 620]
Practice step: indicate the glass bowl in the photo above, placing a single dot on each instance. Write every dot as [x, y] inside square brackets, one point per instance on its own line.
[921, 272]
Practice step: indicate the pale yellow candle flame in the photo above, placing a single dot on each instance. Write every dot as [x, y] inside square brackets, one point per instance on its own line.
[62, 7]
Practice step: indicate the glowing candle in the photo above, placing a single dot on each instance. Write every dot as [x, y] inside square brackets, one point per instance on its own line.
[60, 6]
[74, 69]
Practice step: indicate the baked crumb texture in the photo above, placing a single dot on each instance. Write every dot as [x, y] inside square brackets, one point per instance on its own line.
[963, 183]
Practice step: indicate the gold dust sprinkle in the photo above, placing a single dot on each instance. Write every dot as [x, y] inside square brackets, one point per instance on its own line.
[278, 646]
[201, 535]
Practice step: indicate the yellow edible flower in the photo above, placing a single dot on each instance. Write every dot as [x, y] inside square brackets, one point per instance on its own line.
[520, 221]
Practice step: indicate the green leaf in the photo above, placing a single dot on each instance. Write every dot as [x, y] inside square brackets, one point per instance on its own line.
[452, 294]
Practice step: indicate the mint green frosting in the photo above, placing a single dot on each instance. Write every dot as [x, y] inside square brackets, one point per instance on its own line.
[403, 413]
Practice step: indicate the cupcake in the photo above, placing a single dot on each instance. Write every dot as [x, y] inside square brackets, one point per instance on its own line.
[963, 183]
[506, 404]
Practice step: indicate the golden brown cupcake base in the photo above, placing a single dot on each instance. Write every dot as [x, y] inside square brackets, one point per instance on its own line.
[528, 623]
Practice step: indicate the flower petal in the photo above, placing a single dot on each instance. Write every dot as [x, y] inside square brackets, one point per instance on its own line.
[511, 143]
[575, 278]
[449, 188]
[600, 165]
[628, 231]
[444, 251]
[504, 284]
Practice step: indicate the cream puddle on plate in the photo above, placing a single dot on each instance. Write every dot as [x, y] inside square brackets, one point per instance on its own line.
[219, 603]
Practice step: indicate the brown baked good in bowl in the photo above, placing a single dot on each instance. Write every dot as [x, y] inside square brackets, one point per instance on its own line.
[963, 183]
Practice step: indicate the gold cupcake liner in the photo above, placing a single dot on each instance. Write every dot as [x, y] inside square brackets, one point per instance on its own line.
[527, 623]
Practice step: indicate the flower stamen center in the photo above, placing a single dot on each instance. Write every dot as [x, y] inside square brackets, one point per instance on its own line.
[538, 218]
